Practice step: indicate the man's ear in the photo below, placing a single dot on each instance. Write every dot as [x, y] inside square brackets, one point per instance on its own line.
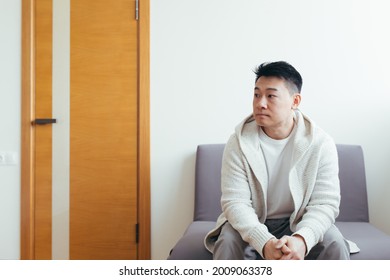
[296, 100]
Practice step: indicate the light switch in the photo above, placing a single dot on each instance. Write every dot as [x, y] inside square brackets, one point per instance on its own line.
[8, 158]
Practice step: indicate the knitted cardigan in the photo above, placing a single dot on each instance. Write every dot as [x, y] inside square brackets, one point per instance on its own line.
[313, 180]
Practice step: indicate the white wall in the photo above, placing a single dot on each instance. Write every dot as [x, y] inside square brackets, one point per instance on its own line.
[10, 22]
[202, 56]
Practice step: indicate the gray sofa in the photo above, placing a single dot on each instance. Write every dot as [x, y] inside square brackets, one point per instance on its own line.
[353, 220]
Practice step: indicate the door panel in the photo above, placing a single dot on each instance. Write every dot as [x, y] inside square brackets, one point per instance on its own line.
[103, 130]
[43, 133]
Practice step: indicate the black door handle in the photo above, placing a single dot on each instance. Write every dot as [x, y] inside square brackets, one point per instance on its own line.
[43, 121]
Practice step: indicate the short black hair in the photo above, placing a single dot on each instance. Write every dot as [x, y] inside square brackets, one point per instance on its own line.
[283, 70]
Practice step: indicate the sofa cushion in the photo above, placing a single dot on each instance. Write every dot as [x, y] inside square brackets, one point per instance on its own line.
[190, 246]
[373, 243]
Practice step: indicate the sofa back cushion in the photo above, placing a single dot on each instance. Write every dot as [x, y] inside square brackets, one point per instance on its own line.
[353, 208]
[354, 204]
[208, 182]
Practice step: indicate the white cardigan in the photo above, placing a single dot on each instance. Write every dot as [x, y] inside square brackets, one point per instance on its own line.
[313, 179]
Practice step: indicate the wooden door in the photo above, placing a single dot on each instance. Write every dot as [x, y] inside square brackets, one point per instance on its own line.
[108, 152]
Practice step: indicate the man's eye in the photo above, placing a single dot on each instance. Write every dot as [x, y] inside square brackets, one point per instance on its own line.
[271, 96]
[256, 95]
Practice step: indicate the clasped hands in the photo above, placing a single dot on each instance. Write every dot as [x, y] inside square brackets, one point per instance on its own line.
[285, 248]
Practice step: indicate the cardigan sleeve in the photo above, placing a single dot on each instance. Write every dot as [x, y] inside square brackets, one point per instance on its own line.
[236, 200]
[323, 200]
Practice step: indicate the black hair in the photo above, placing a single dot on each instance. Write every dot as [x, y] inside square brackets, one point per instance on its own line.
[283, 70]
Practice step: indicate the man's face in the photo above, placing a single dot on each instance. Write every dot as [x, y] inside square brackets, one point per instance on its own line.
[273, 104]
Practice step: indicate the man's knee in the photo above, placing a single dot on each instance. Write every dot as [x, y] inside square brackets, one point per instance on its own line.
[229, 244]
[334, 246]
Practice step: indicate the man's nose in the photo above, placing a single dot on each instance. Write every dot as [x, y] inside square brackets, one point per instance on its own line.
[261, 103]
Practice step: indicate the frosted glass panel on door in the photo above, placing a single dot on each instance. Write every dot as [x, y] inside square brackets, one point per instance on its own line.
[61, 138]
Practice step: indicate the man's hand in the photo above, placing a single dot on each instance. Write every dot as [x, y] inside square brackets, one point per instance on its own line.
[296, 245]
[275, 249]
[286, 248]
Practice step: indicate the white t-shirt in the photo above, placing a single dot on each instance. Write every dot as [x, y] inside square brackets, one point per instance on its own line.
[277, 155]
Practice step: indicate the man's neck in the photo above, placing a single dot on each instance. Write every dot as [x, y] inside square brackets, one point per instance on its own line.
[281, 132]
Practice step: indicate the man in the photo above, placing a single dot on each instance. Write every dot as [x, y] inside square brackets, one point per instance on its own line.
[280, 186]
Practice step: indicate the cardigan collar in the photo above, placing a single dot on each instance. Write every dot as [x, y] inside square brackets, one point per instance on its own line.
[248, 136]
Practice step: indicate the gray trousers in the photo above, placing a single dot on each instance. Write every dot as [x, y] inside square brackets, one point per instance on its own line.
[230, 246]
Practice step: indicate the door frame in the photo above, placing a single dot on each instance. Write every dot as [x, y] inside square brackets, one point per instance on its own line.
[27, 132]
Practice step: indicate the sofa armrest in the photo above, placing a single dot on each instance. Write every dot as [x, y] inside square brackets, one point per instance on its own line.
[190, 246]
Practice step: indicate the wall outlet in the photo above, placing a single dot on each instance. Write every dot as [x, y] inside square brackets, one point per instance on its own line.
[8, 158]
